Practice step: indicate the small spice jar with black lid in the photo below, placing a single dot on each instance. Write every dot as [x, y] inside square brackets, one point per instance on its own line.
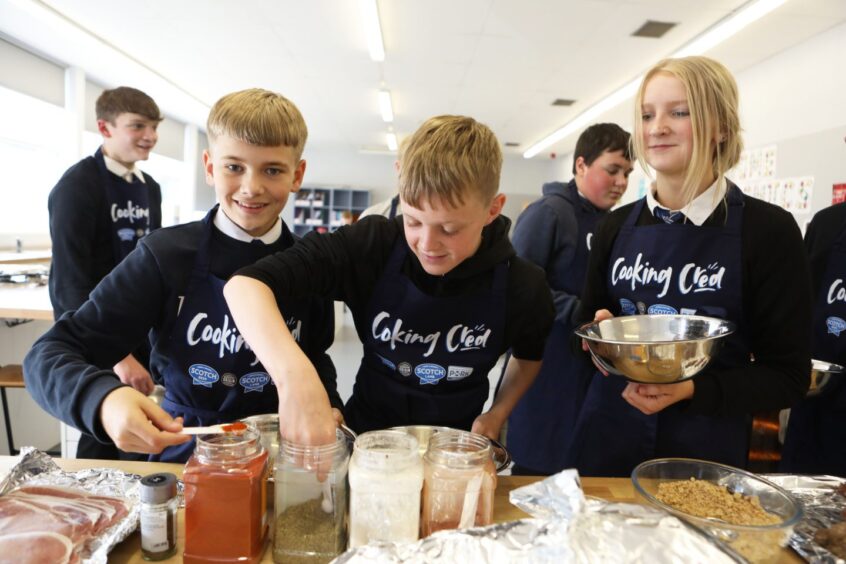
[158, 516]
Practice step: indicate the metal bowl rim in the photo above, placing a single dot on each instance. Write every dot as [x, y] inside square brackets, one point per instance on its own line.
[792, 521]
[825, 367]
[495, 444]
[729, 329]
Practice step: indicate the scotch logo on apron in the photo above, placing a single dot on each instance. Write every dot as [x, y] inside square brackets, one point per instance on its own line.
[835, 325]
[203, 375]
[429, 373]
[126, 234]
[661, 309]
[254, 381]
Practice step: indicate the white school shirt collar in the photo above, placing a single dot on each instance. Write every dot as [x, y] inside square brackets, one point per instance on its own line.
[118, 169]
[700, 209]
[231, 229]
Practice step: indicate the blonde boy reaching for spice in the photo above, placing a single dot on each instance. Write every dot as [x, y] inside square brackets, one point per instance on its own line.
[171, 287]
[437, 295]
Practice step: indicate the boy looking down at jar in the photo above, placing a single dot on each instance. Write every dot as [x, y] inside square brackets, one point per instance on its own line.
[437, 295]
[171, 286]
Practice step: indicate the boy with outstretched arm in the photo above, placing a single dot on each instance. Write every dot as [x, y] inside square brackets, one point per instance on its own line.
[437, 295]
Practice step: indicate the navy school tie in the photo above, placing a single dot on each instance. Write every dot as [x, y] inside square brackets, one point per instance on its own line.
[668, 216]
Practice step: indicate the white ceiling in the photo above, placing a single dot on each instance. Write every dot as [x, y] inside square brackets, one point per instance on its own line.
[500, 61]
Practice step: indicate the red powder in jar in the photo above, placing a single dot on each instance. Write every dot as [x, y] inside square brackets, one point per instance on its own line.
[225, 510]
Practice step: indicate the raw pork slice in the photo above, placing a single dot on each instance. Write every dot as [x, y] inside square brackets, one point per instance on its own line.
[36, 548]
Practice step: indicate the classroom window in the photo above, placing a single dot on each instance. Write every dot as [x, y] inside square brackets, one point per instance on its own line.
[34, 153]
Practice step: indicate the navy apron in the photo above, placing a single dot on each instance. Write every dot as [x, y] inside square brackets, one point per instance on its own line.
[541, 425]
[816, 433]
[129, 209]
[426, 359]
[210, 364]
[678, 268]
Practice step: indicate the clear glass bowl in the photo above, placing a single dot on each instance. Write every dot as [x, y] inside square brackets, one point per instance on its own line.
[757, 543]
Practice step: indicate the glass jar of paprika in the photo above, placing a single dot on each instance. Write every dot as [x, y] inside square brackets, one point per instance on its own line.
[459, 482]
[226, 516]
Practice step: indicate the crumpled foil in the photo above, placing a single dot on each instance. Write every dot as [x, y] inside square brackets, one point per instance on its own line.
[567, 528]
[823, 508]
[38, 468]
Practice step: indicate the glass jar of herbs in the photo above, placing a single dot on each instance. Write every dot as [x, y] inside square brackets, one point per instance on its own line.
[311, 501]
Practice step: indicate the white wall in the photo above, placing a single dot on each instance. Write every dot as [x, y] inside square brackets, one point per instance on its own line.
[795, 100]
[797, 92]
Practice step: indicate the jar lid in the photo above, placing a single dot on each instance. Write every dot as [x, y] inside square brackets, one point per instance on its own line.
[158, 488]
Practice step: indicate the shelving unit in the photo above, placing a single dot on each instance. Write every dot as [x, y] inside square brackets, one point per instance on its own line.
[322, 209]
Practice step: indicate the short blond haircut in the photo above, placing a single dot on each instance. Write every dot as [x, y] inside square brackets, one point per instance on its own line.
[258, 117]
[713, 103]
[449, 158]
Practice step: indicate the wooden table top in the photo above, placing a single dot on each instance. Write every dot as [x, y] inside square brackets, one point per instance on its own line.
[26, 257]
[129, 551]
[11, 376]
[25, 301]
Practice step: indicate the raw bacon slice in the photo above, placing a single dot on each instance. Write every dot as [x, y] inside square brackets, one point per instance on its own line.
[72, 513]
[36, 548]
[20, 517]
[118, 507]
[84, 519]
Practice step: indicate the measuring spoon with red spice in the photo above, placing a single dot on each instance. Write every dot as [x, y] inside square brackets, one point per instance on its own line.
[236, 428]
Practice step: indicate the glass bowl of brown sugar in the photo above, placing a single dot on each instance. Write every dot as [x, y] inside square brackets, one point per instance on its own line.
[750, 514]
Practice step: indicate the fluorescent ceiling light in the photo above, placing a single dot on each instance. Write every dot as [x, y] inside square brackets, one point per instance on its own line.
[585, 117]
[749, 13]
[391, 139]
[370, 9]
[385, 106]
[712, 37]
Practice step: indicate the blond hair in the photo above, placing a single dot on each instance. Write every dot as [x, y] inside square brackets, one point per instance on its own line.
[447, 158]
[712, 100]
[258, 117]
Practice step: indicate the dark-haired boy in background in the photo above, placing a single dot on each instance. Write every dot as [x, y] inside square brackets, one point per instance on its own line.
[554, 232]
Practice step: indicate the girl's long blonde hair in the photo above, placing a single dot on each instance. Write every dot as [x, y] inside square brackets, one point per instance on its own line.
[713, 103]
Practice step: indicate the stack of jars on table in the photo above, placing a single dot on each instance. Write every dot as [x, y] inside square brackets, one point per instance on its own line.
[388, 491]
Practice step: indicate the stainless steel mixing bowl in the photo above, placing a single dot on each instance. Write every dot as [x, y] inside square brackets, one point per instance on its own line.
[655, 349]
[821, 374]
